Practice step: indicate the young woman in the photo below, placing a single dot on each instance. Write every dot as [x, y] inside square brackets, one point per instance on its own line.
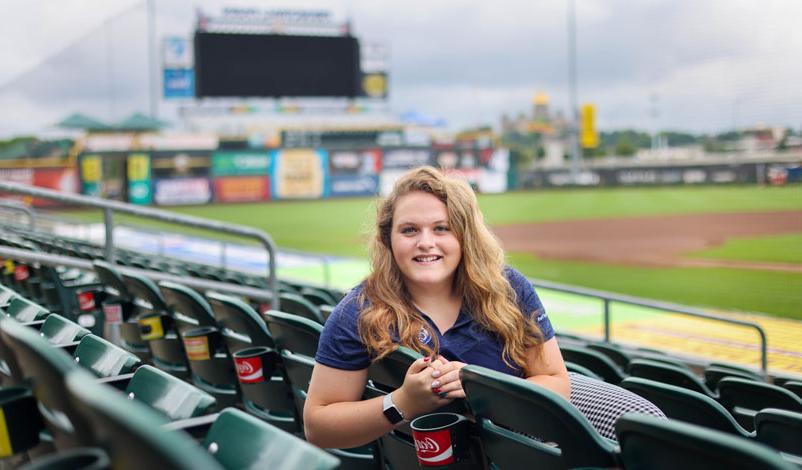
[438, 285]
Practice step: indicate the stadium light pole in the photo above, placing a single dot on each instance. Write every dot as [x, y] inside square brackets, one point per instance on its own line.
[152, 79]
[574, 132]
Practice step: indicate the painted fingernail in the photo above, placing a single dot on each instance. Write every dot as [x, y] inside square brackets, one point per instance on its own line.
[442, 394]
[426, 359]
[436, 373]
[437, 390]
[436, 384]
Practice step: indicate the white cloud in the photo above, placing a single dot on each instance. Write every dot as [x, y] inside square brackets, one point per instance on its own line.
[710, 64]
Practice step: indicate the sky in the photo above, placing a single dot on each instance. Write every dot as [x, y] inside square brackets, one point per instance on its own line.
[696, 66]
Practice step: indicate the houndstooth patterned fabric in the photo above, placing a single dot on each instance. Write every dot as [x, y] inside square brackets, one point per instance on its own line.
[603, 403]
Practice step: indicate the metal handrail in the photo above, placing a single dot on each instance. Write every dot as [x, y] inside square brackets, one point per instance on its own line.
[20, 207]
[50, 259]
[111, 206]
[608, 297]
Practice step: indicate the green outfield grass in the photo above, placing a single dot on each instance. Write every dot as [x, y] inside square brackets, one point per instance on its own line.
[771, 292]
[774, 248]
[339, 227]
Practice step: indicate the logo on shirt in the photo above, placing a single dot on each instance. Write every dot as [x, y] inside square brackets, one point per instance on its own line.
[424, 336]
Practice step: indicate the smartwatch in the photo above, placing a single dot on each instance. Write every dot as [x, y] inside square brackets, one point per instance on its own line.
[393, 414]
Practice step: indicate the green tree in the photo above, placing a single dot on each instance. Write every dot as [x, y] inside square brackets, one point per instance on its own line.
[624, 147]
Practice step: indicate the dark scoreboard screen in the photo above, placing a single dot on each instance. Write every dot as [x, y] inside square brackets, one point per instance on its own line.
[273, 65]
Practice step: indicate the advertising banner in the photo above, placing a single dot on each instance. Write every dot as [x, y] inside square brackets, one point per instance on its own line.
[180, 164]
[182, 191]
[139, 191]
[405, 158]
[353, 185]
[351, 163]
[469, 175]
[60, 179]
[91, 174]
[240, 164]
[179, 83]
[299, 173]
[644, 176]
[17, 175]
[241, 188]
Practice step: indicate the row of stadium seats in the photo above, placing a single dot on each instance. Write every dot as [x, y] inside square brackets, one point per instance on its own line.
[217, 343]
[80, 407]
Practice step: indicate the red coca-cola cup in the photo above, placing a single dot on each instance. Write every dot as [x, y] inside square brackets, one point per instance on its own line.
[254, 365]
[441, 439]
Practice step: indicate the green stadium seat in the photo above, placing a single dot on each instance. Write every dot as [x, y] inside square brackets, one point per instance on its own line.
[118, 303]
[58, 330]
[523, 425]
[325, 311]
[245, 332]
[238, 440]
[297, 305]
[317, 296]
[43, 367]
[397, 448]
[686, 405]
[166, 348]
[131, 432]
[658, 444]
[744, 398]
[755, 375]
[597, 362]
[167, 394]
[714, 373]
[208, 357]
[298, 367]
[782, 431]
[25, 311]
[294, 333]
[103, 358]
[6, 295]
[666, 373]
[794, 387]
[615, 353]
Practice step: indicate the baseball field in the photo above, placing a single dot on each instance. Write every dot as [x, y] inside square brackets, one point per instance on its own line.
[734, 250]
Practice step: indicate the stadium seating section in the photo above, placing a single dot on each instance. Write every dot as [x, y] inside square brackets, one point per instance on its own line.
[115, 369]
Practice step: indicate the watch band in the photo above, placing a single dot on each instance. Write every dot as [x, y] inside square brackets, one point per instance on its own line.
[391, 412]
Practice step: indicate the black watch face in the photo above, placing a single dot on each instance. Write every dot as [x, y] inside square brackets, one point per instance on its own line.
[393, 415]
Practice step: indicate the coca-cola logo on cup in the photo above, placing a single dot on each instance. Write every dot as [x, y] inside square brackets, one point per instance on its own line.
[249, 369]
[21, 273]
[434, 448]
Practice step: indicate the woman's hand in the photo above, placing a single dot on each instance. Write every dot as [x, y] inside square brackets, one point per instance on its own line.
[445, 375]
[416, 396]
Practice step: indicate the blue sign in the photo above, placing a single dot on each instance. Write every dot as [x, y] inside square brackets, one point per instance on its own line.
[353, 185]
[179, 83]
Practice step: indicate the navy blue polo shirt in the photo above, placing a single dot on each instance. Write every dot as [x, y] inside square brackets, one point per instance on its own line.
[340, 346]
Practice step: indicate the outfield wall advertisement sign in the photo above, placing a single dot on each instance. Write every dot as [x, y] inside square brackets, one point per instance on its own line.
[644, 176]
[357, 162]
[405, 158]
[240, 164]
[354, 185]
[91, 173]
[241, 188]
[182, 191]
[299, 174]
[139, 190]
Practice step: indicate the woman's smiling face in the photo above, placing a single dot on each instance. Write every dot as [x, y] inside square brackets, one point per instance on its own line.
[425, 249]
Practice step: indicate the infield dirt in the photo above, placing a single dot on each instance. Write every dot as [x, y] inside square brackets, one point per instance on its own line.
[659, 241]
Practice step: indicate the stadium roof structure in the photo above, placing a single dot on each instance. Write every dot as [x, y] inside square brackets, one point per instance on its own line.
[140, 122]
[82, 121]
